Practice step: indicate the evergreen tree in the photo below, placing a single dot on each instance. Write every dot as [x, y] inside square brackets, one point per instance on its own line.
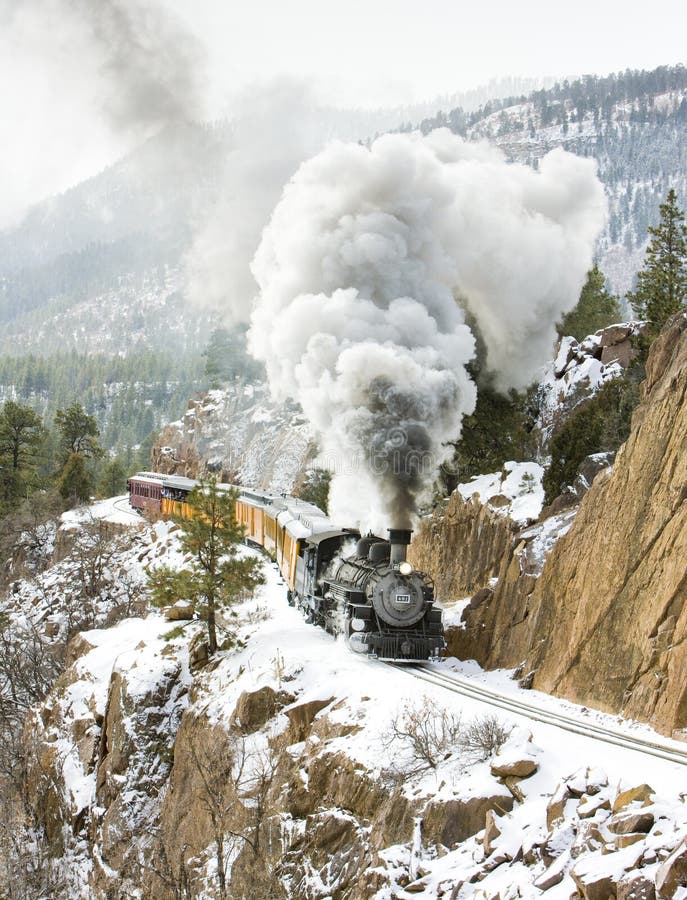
[21, 436]
[75, 481]
[600, 424]
[226, 357]
[315, 488]
[78, 438]
[595, 309]
[216, 575]
[662, 283]
[113, 478]
[78, 432]
[499, 430]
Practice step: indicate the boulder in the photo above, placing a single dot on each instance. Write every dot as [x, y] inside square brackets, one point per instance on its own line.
[631, 822]
[577, 783]
[593, 885]
[641, 794]
[596, 780]
[451, 822]
[554, 874]
[556, 806]
[672, 873]
[180, 612]
[301, 718]
[626, 840]
[635, 887]
[518, 768]
[254, 708]
[517, 757]
[589, 806]
[198, 652]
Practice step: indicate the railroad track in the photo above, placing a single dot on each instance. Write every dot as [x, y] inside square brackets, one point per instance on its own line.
[468, 688]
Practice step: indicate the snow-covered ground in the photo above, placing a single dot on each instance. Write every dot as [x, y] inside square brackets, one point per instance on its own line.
[283, 652]
[282, 649]
[115, 510]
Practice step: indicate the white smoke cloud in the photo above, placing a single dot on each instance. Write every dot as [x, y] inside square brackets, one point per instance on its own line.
[275, 126]
[357, 319]
[89, 79]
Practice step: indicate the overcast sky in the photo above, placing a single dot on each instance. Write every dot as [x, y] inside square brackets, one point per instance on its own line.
[75, 94]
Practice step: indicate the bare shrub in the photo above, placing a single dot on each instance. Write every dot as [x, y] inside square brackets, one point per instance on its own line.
[29, 665]
[483, 737]
[426, 732]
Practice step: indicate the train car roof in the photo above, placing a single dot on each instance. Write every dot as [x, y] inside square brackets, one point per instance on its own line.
[148, 476]
[179, 482]
[327, 535]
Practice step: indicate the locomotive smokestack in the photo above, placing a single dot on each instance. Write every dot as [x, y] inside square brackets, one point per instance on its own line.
[399, 538]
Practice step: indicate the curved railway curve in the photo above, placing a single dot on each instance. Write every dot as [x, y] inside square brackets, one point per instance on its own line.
[669, 751]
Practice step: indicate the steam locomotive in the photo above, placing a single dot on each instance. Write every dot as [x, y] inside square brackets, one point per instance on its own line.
[361, 587]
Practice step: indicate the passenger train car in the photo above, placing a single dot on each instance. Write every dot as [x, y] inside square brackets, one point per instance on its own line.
[362, 587]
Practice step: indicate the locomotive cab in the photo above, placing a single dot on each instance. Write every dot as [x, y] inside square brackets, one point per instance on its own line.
[315, 555]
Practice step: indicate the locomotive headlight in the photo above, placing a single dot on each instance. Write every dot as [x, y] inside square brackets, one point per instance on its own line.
[405, 568]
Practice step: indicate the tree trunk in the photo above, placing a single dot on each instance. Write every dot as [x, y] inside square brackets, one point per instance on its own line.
[212, 628]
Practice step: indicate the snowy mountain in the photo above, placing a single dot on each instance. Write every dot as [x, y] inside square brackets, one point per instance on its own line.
[633, 123]
[117, 234]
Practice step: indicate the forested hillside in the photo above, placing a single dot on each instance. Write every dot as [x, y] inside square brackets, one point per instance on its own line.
[128, 396]
[97, 273]
[633, 123]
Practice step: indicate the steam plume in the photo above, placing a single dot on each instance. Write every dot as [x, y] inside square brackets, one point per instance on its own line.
[275, 127]
[89, 78]
[149, 66]
[357, 319]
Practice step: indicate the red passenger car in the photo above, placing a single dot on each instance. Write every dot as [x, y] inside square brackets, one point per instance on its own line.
[145, 491]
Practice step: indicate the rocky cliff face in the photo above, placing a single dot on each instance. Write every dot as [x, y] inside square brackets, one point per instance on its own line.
[462, 546]
[241, 435]
[612, 595]
[605, 623]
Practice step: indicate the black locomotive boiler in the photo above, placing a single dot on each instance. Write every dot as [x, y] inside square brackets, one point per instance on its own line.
[370, 593]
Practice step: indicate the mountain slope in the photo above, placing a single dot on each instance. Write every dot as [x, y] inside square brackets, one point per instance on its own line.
[633, 123]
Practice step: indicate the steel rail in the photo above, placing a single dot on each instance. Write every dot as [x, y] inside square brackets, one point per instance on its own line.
[468, 688]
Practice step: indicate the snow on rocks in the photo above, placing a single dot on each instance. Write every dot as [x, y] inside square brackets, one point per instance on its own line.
[515, 491]
[241, 432]
[581, 368]
[517, 757]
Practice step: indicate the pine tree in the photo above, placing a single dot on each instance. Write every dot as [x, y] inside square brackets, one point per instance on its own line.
[595, 309]
[75, 483]
[215, 576]
[662, 283]
[21, 436]
[78, 443]
[78, 432]
[315, 488]
[113, 478]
